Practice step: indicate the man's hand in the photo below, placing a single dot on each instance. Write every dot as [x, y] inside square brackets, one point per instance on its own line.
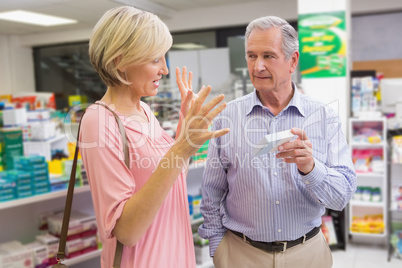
[299, 151]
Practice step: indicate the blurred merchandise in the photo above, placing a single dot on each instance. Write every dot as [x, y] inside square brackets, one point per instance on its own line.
[373, 224]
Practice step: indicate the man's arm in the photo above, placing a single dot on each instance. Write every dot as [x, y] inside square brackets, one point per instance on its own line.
[333, 182]
[214, 188]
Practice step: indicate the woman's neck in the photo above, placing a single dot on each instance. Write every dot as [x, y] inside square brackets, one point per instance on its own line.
[124, 103]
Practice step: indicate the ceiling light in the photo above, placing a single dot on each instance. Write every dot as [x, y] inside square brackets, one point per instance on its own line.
[34, 18]
[188, 46]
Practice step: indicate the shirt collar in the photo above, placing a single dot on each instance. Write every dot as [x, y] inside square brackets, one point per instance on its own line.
[295, 101]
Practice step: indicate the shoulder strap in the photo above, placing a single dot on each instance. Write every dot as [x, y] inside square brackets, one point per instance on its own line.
[70, 192]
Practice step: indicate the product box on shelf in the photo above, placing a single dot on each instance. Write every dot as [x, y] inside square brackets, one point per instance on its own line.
[39, 131]
[14, 255]
[11, 145]
[80, 225]
[39, 253]
[195, 205]
[79, 246]
[328, 229]
[13, 117]
[7, 190]
[38, 169]
[52, 244]
[201, 249]
[58, 183]
[372, 224]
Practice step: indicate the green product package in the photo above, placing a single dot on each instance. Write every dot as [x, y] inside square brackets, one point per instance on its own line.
[11, 146]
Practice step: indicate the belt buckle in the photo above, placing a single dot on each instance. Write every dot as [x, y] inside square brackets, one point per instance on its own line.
[285, 244]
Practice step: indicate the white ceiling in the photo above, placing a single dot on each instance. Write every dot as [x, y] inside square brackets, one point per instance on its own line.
[88, 12]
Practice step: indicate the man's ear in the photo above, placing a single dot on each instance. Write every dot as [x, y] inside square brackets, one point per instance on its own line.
[293, 61]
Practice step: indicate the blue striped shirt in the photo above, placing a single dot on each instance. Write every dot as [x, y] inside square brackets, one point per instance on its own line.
[262, 196]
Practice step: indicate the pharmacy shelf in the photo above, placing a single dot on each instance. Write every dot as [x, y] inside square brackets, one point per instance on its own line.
[197, 165]
[367, 203]
[83, 257]
[40, 198]
[196, 221]
[51, 140]
[383, 235]
[358, 208]
[370, 174]
[367, 145]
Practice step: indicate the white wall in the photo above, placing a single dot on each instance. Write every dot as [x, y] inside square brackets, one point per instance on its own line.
[16, 66]
[377, 37]
[5, 70]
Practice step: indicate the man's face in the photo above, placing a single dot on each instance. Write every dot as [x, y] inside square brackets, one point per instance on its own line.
[267, 66]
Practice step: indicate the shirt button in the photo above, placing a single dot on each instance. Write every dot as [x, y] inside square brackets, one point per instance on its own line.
[277, 202]
[275, 173]
[279, 230]
[307, 182]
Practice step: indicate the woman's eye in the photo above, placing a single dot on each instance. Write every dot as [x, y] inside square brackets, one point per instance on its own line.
[156, 60]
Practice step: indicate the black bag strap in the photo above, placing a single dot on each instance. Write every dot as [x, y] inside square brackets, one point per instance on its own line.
[69, 199]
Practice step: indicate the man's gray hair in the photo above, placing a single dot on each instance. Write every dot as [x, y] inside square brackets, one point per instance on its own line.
[290, 41]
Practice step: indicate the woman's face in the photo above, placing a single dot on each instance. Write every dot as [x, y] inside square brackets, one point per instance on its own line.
[145, 77]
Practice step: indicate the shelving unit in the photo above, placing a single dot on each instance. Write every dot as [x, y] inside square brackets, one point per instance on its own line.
[394, 177]
[25, 211]
[40, 198]
[45, 148]
[369, 178]
[85, 257]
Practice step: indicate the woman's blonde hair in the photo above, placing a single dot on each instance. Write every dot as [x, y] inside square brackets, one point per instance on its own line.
[124, 36]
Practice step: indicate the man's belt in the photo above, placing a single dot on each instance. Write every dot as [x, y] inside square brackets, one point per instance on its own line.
[278, 246]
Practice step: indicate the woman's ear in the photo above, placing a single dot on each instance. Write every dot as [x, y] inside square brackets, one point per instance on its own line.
[117, 62]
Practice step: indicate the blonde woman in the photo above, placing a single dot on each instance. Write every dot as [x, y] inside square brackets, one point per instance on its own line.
[144, 206]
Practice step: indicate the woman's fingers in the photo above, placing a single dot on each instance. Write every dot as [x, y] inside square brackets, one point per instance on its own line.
[201, 98]
[210, 105]
[190, 80]
[216, 111]
[218, 133]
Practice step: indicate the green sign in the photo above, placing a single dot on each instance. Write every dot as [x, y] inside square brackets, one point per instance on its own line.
[322, 39]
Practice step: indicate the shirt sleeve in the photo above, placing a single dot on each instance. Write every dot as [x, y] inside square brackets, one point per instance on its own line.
[111, 182]
[214, 188]
[332, 182]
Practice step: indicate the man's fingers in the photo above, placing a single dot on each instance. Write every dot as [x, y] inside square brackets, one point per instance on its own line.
[299, 132]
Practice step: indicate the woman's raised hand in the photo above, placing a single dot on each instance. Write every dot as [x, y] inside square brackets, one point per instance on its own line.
[186, 87]
[194, 131]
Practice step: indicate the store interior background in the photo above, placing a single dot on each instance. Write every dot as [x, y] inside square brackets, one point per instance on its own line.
[54, 59]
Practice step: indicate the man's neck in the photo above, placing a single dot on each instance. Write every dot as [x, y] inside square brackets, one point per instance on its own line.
[276, 101]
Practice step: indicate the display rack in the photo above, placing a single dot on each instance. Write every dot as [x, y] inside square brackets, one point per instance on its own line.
[369, 208]
[394, 176]
[25, 211]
